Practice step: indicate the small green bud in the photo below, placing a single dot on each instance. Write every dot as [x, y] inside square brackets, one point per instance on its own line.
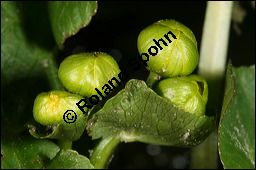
[82, 73]
[168, 48]
[49, 107]
[188, 93]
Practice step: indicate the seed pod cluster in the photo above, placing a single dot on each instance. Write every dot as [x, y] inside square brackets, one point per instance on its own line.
[86, 74]
[169, 49]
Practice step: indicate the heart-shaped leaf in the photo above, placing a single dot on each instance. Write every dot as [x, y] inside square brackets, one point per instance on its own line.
[68, 17]
[26, 152]
[69, 159]
[28, 66]
[137, 113]
[237, 123]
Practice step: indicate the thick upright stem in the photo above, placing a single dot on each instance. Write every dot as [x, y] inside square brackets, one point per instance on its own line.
[103, 153]
[212, 66]
[213, 52]
[205, 155]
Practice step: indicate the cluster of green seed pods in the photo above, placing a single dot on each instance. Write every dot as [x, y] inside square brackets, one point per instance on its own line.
[84, 74]
[168, 49]
[174, 58]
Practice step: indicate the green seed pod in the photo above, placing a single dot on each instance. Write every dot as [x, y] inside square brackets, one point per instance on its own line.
[49, 107]
[168, 48]
[82, 73]
[188, 93]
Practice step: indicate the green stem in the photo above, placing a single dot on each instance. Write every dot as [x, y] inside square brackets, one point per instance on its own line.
[65, 144]
[103, 153]
[213, 52]
[212, 66]
[152, 79]
[205, 155]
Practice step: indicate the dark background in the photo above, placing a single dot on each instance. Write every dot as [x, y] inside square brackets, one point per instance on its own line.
[114, 30]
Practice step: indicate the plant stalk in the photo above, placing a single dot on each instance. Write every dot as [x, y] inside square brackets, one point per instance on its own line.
[103, 153]
[65, 144]
[212, 66]
[152, 79]
[214, 46]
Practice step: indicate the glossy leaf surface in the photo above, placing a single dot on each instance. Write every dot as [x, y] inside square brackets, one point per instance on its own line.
[137, 113]
[69, 159]
[237, 124]
[68, 17]
[26, 152]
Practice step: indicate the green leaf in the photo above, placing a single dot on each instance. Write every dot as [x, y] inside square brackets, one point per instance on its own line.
[68, 17]
[63, 130]
[137, 113]
[237, 123]
[27, 63]
[67, 131]
[69, 159]
[26, 153]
